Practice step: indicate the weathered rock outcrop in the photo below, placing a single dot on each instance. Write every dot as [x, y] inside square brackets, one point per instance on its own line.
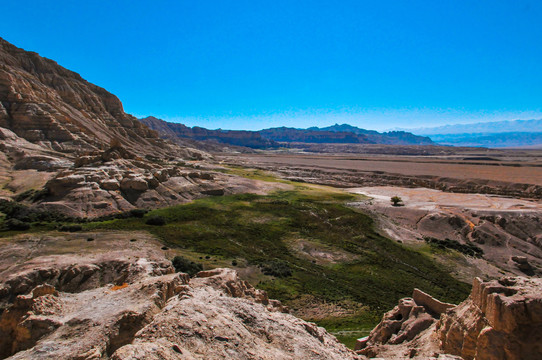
[90, 324]
[217, 318]
[26, 155]
[404, 322]
[123, 185]
[115, 298]
[214, 316]
[501, 320]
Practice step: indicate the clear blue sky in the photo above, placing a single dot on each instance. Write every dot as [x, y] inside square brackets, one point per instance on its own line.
[255, 64]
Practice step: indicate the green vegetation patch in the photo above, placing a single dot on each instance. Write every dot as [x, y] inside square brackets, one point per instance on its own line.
[379, 273]
[182, 264]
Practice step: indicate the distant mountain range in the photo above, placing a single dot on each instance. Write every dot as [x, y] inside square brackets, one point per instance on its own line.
[515, 133]
[273, 137]
[176, 131]
[390, 137]
[493, 127]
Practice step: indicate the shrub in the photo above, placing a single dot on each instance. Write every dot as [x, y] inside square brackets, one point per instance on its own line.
[14, 224]
[156, 220]
[71, 228]
[182, 264]
[138, 213]
[24, 195]
[280, 202]
[15, 210]
[276, 268]
[396, 201]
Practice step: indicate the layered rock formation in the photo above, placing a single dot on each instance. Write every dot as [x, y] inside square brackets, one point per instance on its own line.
[502, 319]
[403, 324]
[49, 105]
[122, 185]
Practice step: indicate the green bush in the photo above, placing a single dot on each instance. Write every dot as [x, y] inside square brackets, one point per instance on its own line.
[138, 213]
[156, 220]
[396, 201]
[184, 265]
[15, 210]
[276, 268]
[71, 228]
[14, 224]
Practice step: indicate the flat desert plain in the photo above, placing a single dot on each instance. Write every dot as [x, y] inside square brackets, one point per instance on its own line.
[515, 167]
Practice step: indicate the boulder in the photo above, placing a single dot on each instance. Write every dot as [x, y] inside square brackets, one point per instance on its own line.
[135, 183]
[522, 263]
[110, 185]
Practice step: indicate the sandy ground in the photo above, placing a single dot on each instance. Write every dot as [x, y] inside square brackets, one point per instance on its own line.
[428, 199]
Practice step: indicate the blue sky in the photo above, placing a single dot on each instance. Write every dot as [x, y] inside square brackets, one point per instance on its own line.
[256, 64]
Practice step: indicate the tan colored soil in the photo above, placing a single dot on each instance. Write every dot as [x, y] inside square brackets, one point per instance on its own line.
[522, 172]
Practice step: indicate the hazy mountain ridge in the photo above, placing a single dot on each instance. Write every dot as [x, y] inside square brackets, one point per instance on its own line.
[509, 139]
[482, 128]
[285, 134]
[512, 133]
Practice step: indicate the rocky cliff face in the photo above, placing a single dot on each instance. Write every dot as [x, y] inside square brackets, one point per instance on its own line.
[502, 319]
[49, 105]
